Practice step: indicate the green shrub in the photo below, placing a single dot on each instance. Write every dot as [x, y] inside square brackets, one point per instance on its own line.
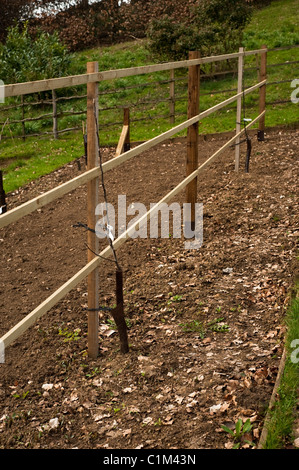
[23, 58]
[216, 26]
[170, 40]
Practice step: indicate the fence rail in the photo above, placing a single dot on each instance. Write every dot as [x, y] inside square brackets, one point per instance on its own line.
[91, 176]
[18, 89]
[172, 99]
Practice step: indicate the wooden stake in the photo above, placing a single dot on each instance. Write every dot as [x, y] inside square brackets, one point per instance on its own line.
[262, 99]
[92, 201]
[239, 107]
[127, 144]
[192, 135]
[3, 205]
[124, 140]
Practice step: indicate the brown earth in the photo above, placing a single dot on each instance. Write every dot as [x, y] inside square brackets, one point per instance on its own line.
[183, 377]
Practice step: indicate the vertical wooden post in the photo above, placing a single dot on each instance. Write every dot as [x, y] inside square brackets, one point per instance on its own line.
[3, 206]
[172, 97]
[55, 123]
[84, 143]
[23, 117]
[262, 99]
[239, 107]
[92, 201]
[127, 145]
[192, 134]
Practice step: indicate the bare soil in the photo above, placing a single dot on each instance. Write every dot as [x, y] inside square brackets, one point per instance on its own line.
[182, 378]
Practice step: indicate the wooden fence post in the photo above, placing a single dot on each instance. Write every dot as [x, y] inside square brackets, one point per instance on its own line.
[262, 98]
[172, 97]
[192, 134]
[23, 117]
[55, 121]
[92, 201]
[3, 206]
[127, 144]
[239, 107]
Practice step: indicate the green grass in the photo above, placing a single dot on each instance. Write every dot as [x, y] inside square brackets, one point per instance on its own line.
[283, 415]
[37, 158]
[276, 25]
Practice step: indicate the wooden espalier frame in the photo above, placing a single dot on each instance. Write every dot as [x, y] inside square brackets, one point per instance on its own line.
[92, 174]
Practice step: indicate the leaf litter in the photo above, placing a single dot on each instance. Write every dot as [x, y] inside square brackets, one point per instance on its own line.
[182, 380]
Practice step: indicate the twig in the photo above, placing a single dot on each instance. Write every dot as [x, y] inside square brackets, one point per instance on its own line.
[3, 129]
[103, 186]
[97, 254]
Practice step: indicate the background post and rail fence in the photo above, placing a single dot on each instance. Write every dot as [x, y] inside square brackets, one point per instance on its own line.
[21, 127]
[95, 169]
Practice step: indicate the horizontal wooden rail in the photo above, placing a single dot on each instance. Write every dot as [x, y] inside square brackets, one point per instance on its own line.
[40, 201]
[53, 299]
[175, 130]
[284, 48]
[30, 206]
[75, 80]
[45, 306]
[253, 52]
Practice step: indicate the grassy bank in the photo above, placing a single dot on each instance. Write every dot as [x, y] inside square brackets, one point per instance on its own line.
[282, 417]
[275, 26]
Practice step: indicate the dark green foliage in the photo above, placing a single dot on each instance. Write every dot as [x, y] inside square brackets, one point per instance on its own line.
[24, 59]
[214, 26]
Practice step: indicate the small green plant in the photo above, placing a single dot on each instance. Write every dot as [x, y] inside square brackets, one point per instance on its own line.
[118, 408]
[202, 328]
[194, 326]
[23, 396]
[218, 325]
[239, 431]
[111, 323]
[177, 298]
[69, 335]
[93, 372]
[174, 298]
